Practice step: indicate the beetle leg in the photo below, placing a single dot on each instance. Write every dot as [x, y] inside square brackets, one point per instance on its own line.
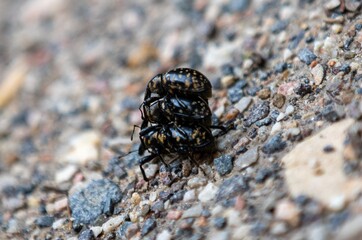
[163, 161]
[195, 162]
[143, 161]
[223, 129]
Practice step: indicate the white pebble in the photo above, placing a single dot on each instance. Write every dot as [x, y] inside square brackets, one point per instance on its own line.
[247, 64]
[65, 174]
[196, 182]
[276, 128]
[153, 196]
[243, 104]
[318, 74]
[151, 170]
[189, 195]
[58, 223]
[208, 193]
[287, 54]
[96, 230]
[164, 235]
[337, 28]
[281, 116]
[337, 203]
[112, 224]
[289, 110]
[287, 211]
[83, 148]
[218, 210]
[332, 4]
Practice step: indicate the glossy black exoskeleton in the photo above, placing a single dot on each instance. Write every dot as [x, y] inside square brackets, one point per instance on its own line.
[185, 82]
[175, 109]
[182, 140]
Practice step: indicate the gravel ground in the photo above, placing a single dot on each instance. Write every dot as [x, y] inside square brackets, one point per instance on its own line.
[287, 74]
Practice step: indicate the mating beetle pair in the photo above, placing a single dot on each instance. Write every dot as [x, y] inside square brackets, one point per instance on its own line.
[176, 116]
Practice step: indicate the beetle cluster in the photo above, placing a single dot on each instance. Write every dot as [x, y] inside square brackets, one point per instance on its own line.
[176, 117]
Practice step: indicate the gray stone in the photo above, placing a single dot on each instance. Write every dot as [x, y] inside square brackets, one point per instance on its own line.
[96, 199]
[307, 56]
[247, 159]
[257, 112]
[149, 225]
[232, 187]
[224, 164]
[274, 144]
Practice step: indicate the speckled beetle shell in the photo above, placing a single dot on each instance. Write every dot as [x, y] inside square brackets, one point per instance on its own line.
[176, 109]
[170, 138]
[180, 81]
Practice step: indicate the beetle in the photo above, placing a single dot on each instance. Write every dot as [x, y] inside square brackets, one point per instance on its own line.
[175, 109]
[182, 140]
[185, 82]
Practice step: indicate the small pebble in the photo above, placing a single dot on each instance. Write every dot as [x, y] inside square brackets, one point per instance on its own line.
[135, 199]
[219, 222]
[258, 111]
[151, 170]
[247, 159]
[223, 164]
[277, 127]
[337, 203]
[145, 208]
[235, 93]
[303, 89]
[279, 228]
[232, 187]
[328, 149]
[97, 198]
[148, 226]
[264, 93]
[274, 144]
[287, 54]
[208, 193]
[190, 195]
[281, 67]
[219, 235]
[228, 80]
[318, 73]
[174, 215]
[164, 235]
[243, 104]
[337, 28]
[58, 223]
[87, 234]
[196, 182]
[286, 210]
[306, 56]
[281, 116]
[332, 4]
[83, 148]
[278, 100]
[65, 174]
[263, 174]
[44, 221]
[289, 110]
[97, 230]
[193, 212]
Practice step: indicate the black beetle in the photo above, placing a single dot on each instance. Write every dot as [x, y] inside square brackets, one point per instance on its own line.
[170, 138]
[175, 109]
[185, 82]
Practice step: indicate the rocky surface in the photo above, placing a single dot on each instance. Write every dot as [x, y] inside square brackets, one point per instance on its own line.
[287, 74]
